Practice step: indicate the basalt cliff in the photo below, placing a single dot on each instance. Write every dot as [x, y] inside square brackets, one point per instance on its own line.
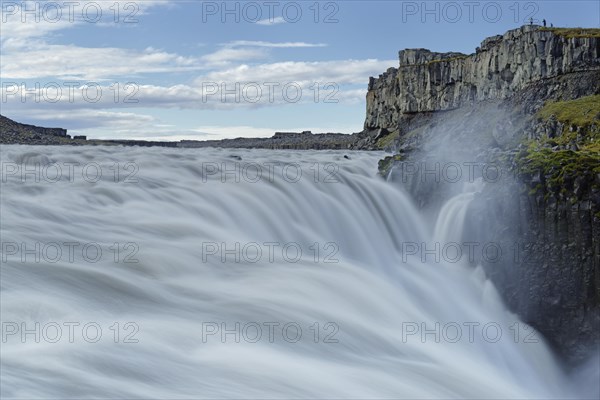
[502, 66]
[521, 115]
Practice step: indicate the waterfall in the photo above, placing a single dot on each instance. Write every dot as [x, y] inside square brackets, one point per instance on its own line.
[186, 273]
[449, 225]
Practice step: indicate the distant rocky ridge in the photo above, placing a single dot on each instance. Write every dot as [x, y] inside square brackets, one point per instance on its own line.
[282, 140]
[12, 132]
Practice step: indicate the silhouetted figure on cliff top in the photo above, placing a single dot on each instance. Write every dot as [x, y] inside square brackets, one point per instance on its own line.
[544, 22]
[531, 21]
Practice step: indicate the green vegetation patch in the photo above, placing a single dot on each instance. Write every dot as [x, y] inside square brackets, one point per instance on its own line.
[386, 164]
[581, 112]
[573, 154]
[571, 33]
[386, 141]
[561, 170]
[449, 59]
[557, 164]
[581, 120]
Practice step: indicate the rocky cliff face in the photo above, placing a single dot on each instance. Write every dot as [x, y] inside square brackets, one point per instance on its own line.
[12, 132]
[426, 81]
[10, 128]
[526, 103]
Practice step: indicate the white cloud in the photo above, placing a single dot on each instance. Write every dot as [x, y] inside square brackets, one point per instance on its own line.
[338, 71]
[22, 20]
[246, 51]
[271, 21]
[147, 128]
[82, 119]
[27, 52]
[36, 59]
[257, 43]
[91, 64]
[210, 132]
[227, 55]
[264, 85]
[214, 91]
[219, 132]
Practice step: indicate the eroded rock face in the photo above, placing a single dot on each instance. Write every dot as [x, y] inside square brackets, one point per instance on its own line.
[382, 102]
[549, 270]
[482, 108]
[426, 81]
[10, 127]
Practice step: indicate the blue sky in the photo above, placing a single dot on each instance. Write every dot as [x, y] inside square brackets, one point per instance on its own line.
[286, 65]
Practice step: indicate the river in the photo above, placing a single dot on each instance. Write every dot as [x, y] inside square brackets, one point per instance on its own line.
[207, 273]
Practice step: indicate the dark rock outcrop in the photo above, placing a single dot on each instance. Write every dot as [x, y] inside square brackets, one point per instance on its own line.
[12, 132]
[490, 109]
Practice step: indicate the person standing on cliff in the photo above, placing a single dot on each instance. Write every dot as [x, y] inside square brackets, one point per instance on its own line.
[544, 22]
[531, 21]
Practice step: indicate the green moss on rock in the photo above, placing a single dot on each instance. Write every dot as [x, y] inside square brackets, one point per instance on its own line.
[386, 141]
[571, 157]
[583, 112]
[386, 164]
[571, 33]
[449, 59]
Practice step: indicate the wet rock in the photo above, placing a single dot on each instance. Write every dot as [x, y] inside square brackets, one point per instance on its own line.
[450, 107]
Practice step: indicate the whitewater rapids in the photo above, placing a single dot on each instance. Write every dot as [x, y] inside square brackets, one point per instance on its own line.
[200, 250]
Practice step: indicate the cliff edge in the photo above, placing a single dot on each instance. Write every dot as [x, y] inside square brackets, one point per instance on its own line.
[521, 114]
[503, 65]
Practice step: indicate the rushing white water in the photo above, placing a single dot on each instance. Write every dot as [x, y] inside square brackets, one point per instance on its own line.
[361, 302]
